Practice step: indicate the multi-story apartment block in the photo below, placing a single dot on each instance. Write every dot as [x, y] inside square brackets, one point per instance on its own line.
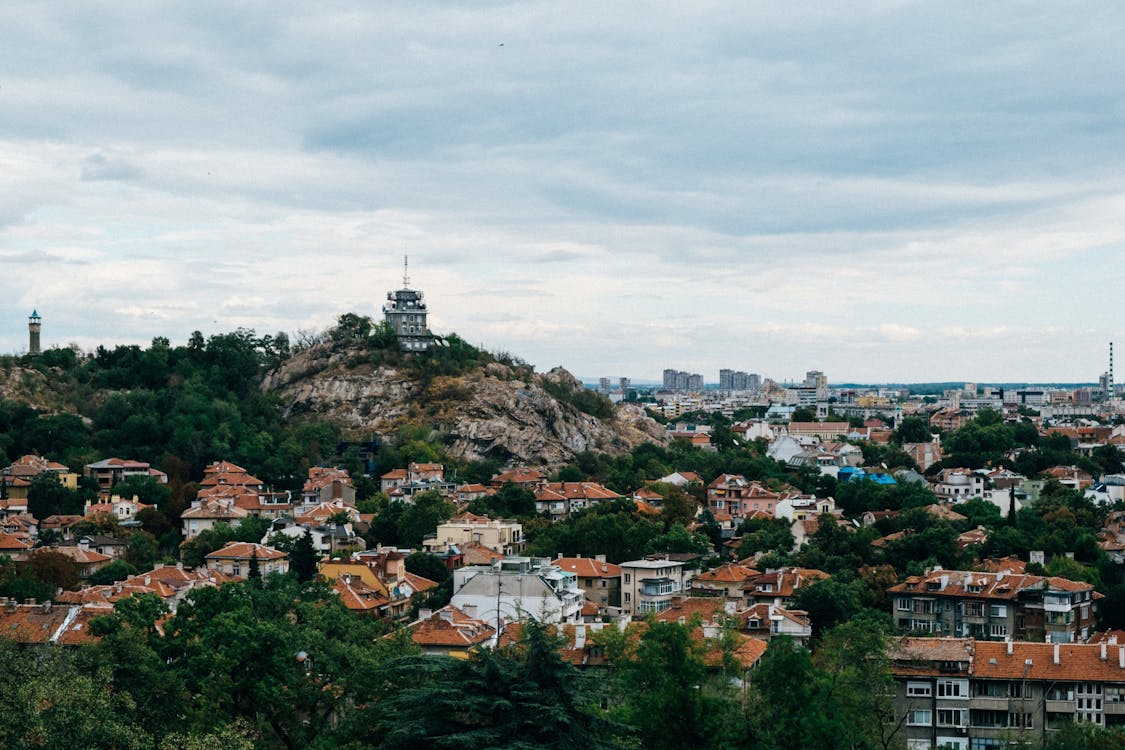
[979, 695]
[678, 380]
[995, 605]
[516, 588]
[648, 586]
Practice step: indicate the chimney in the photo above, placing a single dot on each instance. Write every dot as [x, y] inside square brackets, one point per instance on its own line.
[1121, 657]
[446, 614]
[1009, 648]
[32, 602]
[46, 607]
[600, 558]
[1103, 651]
[10, 606]
[1056, 656]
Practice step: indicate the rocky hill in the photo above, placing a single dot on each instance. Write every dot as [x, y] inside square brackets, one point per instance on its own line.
[496, 411]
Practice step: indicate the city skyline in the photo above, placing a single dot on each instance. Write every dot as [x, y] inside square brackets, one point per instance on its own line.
[889, 193]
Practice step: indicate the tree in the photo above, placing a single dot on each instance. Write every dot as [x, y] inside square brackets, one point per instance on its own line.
[118, 570]
[513, 698]
[912, 430]
[665, 678]
[303, 559]
[787, 707]
[48, 497]
[422, 516]
[141, 550]
[52, 568]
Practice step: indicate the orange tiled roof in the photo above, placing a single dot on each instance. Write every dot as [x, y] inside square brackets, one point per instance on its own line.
[728, 573]
[452, 628]
[589, 567]
[246, 550]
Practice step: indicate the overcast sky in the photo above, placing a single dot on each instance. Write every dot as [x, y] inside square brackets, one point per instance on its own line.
[886, 191]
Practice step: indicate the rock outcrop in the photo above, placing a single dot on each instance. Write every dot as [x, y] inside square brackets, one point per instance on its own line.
[496, 411]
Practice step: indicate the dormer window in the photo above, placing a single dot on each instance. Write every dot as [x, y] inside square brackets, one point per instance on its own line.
[974, 588]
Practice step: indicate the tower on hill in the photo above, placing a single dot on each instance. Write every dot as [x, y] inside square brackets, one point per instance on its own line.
[405, 313]
[34, 325]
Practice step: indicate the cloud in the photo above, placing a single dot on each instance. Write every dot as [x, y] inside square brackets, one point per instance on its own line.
[725, 184]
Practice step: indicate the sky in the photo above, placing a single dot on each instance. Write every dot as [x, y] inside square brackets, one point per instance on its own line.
[885, 191]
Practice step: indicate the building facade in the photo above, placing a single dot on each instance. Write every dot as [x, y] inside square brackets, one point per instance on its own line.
[405, 313]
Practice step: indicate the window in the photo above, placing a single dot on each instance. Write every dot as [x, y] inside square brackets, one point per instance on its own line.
[972, 609]
[951, 717]
[953, 688]
[919, 690]
[999, 610]
[627, 597]
[919, 717]
[1019, 720]
[998, 631]
[628, 578]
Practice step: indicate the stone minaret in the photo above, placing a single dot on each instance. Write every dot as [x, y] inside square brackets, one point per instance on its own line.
[34, 324]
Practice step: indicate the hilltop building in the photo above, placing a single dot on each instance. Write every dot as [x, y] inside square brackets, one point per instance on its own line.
[405, 312]
[34, 326]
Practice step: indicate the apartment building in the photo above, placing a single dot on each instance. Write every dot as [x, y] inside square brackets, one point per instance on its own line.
[986, 695]
[648, 586]
[995, 605]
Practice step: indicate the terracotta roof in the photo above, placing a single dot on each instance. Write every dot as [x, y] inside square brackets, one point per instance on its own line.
[79, 555]
[418, 583]
[728, 573]
[214, 509]
[982, 584]
[357, 596]
[707, 607]
[582, 491]
[783, 582]
[519, 476]
[452, 628]
[246, 550]
[44, 623]
[395, 474]
[589, 567]
[475, 553]
[13, 542]
[940, 511]
[322, 476]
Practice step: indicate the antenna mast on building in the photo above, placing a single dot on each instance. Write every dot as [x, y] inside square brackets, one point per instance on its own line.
[405, 270]
[1109, 381]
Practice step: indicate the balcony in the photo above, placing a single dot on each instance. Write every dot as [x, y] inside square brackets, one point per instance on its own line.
[990, 703]
[1113, 708]
[1061, 707]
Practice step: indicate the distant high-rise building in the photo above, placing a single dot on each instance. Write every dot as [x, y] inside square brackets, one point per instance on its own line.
[34, 325]
[678, 380]
[603, 386]
[623, 384]
[726, 380]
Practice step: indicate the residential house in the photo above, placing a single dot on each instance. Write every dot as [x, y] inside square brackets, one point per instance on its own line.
[778, 587]
[234, 559]
[28, 467]
[681, 478]
[120, 508]
[726, 580]
[765, 621]
[733, 494]
[560, 499]
[204, 514]
[527, 478]
[450, 632]
[505, 537]
[112, 471]
[402, 484]
[326, 484]
[598, 579]
[959, 485]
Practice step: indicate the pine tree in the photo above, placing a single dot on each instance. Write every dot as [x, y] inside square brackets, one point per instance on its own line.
[255, 571]
[303, 559]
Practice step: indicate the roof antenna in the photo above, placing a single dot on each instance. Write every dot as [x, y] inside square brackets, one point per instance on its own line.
[405, 270]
